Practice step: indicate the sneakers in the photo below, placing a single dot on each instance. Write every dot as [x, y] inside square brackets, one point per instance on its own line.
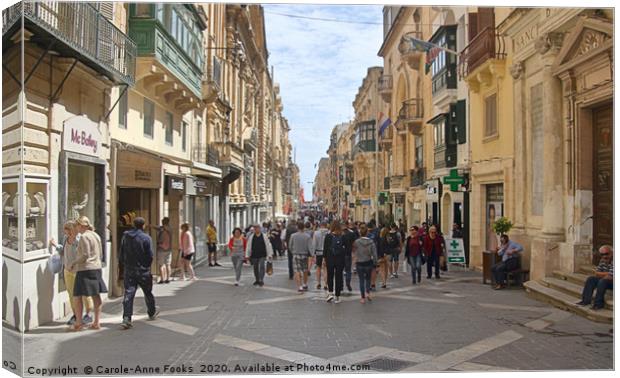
[216, 264]
[255, 283]
[300, 290]
[304, 288]
[211, 265]
[236, 283]
[330, 297]
[581, 303]
[126, 324]
[86, 319]
[261, 284]
[71, 321]
[154, 316]
[337, 300]
[167, 281]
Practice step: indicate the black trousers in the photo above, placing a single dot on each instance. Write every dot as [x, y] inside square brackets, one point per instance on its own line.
[131, 282]
[335, 268]
[291, 272]
[433, 260]
[500, 269]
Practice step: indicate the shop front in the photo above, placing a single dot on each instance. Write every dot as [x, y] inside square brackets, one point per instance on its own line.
[202, 206]
[137, 183]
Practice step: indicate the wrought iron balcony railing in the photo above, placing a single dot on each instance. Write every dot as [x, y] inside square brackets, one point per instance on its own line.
[412, 114]
[385, 87]
[203, 154]
[488, 44]
[417, 177]
[77, 29]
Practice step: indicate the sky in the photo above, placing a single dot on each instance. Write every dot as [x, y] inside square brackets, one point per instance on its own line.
[320, 66]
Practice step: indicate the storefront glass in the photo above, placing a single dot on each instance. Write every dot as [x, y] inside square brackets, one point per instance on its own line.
[36, 216]
[81, 192]
[10, 216]
[200, 225]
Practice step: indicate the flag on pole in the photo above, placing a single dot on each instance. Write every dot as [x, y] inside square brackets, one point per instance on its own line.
[432, 50]
[384, 122]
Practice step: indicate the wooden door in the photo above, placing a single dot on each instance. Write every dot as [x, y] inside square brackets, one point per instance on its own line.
[602, 127]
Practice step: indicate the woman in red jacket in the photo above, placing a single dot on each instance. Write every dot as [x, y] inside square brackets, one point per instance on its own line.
[434, 247]
[237, 245]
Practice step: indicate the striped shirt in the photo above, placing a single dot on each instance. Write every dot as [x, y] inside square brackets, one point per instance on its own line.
[605, 267]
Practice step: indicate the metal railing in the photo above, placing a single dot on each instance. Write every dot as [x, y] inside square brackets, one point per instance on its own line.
[83, 28]
[201, 153]
[385, 83]
[417, 177]
[488, 44]
[411, 109]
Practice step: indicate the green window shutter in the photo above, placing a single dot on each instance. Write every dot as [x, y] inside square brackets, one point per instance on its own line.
[461, 121]
[451, 126]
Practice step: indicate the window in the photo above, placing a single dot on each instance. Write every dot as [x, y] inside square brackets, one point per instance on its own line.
[10, 216]
[169, 128]
[149, 118]
[143, 10]
[184, 136]
[419, 152]
[439, 136]
[122, 111]
[490, 115]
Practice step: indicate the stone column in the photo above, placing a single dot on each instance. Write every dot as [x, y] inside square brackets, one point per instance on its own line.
[553, 206]
[520, 135]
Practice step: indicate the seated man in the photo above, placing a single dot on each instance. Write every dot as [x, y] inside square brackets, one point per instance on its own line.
[602, 280]
[510, 252]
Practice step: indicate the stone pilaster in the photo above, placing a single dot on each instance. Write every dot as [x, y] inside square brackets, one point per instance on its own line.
[516, 71]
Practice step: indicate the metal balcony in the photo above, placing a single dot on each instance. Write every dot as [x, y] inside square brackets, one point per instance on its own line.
[201, 153]
[417, 177]
[408, 52]
[412, 115]
[75, 29]
[385, 87]
[488, 44]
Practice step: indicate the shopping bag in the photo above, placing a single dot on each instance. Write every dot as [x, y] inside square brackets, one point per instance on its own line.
[443, 265]
[54, 263]
[269, 269]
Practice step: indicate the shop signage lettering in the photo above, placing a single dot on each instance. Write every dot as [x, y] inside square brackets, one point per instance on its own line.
[524, 39]
[142, 175]
[456, 252]
[176, 184]
[82, 135]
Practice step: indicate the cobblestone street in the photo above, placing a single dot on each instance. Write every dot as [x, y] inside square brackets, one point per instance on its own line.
[452, 324]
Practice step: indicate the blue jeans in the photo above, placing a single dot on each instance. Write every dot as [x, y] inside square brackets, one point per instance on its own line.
[259, 268]
[363, 273]
[131, 282]
[601, 285]
[348, 261]
[416, 267]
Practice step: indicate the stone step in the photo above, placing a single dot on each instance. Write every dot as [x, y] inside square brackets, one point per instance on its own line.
[586, 269]
[574, 290]
[576, 278]
[559, 299]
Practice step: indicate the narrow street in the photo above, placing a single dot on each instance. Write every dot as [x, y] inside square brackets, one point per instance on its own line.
[210, 326]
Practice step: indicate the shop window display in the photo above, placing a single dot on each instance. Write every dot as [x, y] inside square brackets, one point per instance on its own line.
[36, 216]
[10, 211]
[81, 192]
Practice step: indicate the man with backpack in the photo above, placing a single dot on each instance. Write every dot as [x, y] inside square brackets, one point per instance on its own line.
[394, 245]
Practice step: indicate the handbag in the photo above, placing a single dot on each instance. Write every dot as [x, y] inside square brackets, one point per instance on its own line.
[442, 263]
[269, 269]
[54, 263]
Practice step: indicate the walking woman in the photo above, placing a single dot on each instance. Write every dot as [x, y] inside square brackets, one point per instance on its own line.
[68, 251]
[334, 253]
[87, 264]
[236, 245]
[186, 244]
[413, 254]
[365, 252]
[383, 261]
[434, 246]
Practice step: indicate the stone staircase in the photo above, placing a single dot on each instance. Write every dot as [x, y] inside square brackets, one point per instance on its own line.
[563, 290]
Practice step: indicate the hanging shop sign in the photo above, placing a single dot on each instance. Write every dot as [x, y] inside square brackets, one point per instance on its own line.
[175, 184]
[454, 180]
[82, 135]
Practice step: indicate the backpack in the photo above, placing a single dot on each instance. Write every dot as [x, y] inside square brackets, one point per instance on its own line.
[338, 248]
[392, 241]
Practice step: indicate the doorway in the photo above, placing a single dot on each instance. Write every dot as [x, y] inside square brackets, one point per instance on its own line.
[602, 127]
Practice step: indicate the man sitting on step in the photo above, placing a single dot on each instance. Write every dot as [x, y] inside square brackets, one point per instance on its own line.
[602, 280]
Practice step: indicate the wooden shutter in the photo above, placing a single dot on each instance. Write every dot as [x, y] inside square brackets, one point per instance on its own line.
[461, 122]
[486, 18]
[472, 27]
[107, 10]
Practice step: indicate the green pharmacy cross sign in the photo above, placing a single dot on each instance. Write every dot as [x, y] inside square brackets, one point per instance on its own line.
[454, 244]
[454, 180]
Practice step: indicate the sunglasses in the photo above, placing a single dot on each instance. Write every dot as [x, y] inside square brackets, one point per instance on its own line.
[604, 254]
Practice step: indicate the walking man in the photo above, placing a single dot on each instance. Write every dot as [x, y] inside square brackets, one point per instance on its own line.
[164, 251]
[334, 252]
[212, 243]
[136, 256]
[349, 237]
[301, 248]
[258, 249]
[433, 246]
[318, 239]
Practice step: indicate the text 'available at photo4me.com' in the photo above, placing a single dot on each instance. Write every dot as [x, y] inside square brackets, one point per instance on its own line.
[67, 370]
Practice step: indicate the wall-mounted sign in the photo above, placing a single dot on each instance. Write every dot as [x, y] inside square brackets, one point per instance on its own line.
[81, 135]
[366, 202]
[137, 170]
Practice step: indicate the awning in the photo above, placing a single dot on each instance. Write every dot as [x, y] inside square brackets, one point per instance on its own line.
[206, 170]
[437, 118]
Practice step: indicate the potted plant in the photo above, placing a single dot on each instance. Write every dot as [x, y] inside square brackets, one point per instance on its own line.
[502, 226]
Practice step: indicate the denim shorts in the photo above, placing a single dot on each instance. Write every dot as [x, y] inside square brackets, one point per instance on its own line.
[394, 256]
